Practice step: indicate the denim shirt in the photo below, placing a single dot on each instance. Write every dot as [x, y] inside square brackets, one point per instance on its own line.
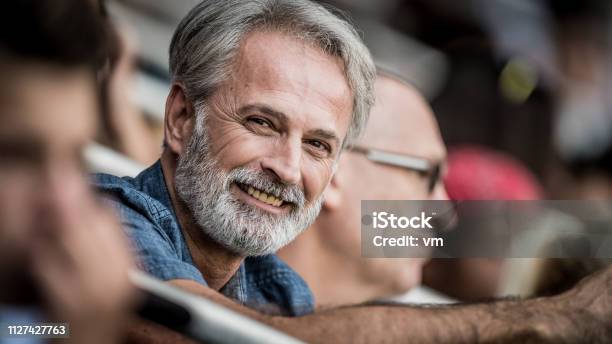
[263, 283]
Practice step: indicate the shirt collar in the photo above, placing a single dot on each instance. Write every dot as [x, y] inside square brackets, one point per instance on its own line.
[152, 182]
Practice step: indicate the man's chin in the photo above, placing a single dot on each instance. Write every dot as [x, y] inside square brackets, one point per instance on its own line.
[249, 251]
[257, 245]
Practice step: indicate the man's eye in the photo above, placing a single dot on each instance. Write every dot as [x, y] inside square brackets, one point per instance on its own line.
[319, 145]
[261, 121]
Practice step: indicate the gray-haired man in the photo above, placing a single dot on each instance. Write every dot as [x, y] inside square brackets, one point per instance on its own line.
[265, 96]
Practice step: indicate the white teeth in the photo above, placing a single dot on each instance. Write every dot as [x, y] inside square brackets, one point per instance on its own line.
[264, 197]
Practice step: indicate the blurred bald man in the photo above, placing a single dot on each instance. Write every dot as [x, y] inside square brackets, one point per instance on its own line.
[328, 255]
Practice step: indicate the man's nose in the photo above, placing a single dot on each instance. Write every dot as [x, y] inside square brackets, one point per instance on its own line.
[285, 162]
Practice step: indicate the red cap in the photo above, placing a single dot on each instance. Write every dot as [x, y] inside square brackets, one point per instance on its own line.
[479, 173]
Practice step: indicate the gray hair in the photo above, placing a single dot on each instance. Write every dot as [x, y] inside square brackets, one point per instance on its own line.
[208, 38]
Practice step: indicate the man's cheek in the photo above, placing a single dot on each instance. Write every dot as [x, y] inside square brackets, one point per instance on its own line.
[315, 183]
[225, 134]
[242, 151]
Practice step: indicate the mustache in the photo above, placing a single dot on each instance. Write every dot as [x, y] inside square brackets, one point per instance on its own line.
[265, 182]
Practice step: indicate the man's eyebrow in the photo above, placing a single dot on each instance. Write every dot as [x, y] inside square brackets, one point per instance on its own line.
[325, 134]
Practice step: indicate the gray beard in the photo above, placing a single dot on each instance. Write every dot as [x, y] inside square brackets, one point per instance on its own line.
[241, 228]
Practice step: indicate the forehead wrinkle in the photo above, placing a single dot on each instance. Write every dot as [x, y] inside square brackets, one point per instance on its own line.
[253, 74]
[256, 54]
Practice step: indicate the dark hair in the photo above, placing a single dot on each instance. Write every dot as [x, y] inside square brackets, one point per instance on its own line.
[67, 33]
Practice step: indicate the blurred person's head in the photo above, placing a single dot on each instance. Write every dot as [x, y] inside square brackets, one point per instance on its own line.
[49, 54]
[328, 255]
[479, 173]
[265, 96]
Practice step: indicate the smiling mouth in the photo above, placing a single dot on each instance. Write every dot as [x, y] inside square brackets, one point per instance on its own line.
[262, 196]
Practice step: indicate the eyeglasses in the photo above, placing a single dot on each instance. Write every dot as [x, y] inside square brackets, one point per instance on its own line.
[413, 163]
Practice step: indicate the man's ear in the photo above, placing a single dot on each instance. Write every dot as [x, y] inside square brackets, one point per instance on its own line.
[332, 196]
[179, 119]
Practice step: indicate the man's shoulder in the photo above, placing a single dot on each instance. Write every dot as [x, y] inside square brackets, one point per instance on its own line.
[125, 193]
[108, 182]
[145, 194]
[148, 219]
